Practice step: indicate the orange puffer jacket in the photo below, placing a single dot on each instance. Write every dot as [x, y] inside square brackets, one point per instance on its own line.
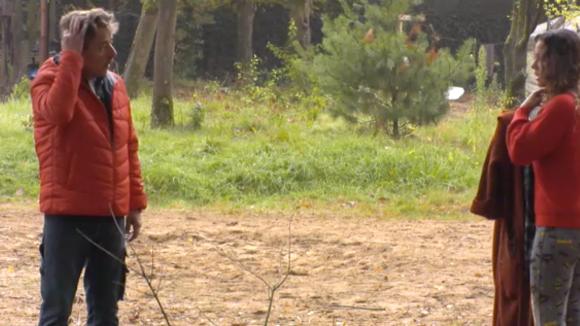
[85, 167]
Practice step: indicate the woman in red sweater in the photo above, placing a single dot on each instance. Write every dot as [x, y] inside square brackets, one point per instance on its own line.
[545, 132]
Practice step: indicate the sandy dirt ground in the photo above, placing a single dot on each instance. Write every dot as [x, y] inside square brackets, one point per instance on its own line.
[344, 270]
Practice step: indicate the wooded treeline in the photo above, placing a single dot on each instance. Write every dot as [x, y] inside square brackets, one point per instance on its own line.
[212, 35]
[165, 40]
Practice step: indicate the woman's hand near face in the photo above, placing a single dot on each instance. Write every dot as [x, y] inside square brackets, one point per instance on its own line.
[534, 99]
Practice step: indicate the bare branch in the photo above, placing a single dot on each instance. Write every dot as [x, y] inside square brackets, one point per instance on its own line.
[283, 280]
[140, 272]
[152, 267]
[271, 288]
[337, 306]
[141, 268]
[201, 313]
[159, 279]
[149, 283]
[242, 266]
[119, 260]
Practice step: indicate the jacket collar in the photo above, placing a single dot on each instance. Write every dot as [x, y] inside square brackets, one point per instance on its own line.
[110, 79]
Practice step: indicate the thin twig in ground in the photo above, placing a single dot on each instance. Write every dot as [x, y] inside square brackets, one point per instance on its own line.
[152, 267]
[140, 272]
[152, 273]
[271, 288]
[283, 280]
[147, 279]
[243, 267]
[201, 313]
[141, 268]
[159, 280]
[338, 306]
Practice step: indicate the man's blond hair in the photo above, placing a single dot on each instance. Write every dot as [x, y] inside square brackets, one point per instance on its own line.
[96, 18]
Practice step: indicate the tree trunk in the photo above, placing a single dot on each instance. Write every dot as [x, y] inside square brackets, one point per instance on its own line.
[3, 66]
[19, 56]
[33, 20]
[30, 35]
[6, 64]
[53, 27]
[162, 113]
[300, 11]
[246, 14]
[141, 49]
[525, 17]
[43, 42]
[396, 131]
[381, 122]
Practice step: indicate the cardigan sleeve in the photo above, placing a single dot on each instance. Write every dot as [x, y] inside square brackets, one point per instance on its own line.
[529, 141]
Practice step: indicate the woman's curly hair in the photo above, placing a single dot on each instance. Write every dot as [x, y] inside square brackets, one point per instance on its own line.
[560, 60]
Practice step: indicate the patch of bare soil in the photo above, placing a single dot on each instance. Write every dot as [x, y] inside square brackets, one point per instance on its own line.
[344, 271]
[460, 107]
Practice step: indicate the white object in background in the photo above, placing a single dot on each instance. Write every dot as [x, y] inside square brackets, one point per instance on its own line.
[455, 93]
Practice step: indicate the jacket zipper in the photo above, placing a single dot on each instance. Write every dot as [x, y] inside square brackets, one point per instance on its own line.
[110, 126]
[112, 136]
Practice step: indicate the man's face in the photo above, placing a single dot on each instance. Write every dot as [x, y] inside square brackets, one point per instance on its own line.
[98, 53]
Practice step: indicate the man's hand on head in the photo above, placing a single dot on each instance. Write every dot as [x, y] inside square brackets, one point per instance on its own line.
[74, 38]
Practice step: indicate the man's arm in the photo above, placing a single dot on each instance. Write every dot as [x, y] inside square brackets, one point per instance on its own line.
[138, 199]
[54, 98]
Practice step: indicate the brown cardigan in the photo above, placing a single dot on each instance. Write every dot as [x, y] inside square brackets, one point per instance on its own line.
[500, 197]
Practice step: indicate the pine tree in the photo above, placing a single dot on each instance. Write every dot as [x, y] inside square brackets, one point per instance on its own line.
[370, 65]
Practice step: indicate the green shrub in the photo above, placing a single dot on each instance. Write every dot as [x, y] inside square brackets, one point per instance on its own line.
[370, 67]
[196, 116]
[21, 90]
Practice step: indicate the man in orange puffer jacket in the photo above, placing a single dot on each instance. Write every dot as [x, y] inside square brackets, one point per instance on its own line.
[91, 191]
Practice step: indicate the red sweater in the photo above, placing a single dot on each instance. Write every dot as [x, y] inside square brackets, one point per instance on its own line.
[551, 142]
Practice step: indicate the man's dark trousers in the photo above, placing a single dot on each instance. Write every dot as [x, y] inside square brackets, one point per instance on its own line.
[65, 250]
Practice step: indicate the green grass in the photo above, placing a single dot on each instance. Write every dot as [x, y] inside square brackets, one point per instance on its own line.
[18, 165]
[254, 151]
